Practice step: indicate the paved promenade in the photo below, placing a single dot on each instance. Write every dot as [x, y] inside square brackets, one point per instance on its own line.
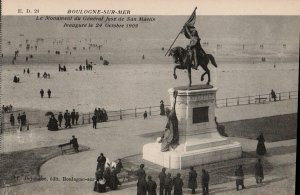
[123, 138]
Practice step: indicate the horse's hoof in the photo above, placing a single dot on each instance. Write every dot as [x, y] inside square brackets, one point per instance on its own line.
[202, 79]
[175, 76]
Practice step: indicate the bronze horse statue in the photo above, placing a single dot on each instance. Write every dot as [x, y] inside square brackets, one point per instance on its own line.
[182, 58]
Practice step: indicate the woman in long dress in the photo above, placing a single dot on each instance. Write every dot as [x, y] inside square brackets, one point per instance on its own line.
[261, 148]
[171, 135]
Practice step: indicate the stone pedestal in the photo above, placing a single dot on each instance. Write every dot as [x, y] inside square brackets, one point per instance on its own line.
[200, 142]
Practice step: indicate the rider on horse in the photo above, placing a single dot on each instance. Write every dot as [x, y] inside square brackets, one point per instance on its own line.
[194, 47]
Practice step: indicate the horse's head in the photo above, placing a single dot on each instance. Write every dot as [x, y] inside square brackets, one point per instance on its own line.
[177, 54]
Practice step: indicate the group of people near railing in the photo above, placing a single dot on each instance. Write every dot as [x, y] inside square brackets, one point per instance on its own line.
[70, 119]
[7, 108]
[100, 115]
[22, 120]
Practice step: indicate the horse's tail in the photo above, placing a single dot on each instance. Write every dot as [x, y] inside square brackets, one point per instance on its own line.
[212, 60]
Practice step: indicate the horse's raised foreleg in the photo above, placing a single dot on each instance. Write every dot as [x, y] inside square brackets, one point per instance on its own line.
[190, 76]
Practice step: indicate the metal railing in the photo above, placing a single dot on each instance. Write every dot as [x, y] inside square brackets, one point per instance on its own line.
[256, 99]
[37, 118]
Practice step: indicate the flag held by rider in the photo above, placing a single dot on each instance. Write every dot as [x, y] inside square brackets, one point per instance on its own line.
[190, 23]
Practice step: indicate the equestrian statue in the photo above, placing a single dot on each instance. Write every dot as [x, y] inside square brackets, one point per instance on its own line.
[193, 55]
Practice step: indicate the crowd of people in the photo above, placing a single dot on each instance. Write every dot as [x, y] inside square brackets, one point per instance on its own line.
[167, 183]
[45, 75]
[86, 67]
[100, 115]
[7, 108]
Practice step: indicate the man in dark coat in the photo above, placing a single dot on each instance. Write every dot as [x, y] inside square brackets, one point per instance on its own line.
[101, 162]
[107, 175]
[99, 115]
[142, 186]
[162, 108]
[261, 148]
[73, 116]
[104, 113]
[76, 117]
[65, 115]
[205, 181]
[168, 184]
[114, 181]
[151, 186]
[141, 172]
[178, 184]
[42, 93]
[49, 93]
[162, 179]
[145, 114]
[259, 171]
[74, 143]
[239, 173]
[68, 120]
[273, 95]
[60, 117]
[94, 119]
[19, 118]
[23, 121]
[119, 166]
[192, 183]
[12, 119]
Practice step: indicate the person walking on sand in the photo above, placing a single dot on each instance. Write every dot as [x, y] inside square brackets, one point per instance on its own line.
[42, 93]
[145, 114]
[49, 93]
